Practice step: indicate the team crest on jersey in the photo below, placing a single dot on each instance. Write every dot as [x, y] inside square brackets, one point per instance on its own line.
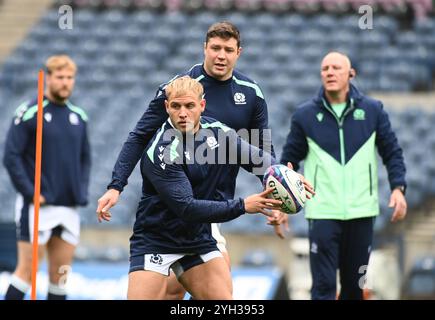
[212, 143]
[48, 116]
[239, 98]
[359, 114]
[73, 119]
[319, 116]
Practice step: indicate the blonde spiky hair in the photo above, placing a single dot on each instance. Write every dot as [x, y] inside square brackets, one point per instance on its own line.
[182, 86]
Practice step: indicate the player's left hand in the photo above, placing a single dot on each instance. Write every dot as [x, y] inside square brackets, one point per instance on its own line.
[104, 216]
[398, 202]
[280, 224]
[278, 219]
[310, 192]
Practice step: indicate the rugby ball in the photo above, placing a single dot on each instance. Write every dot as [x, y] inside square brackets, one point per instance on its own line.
[288, 187]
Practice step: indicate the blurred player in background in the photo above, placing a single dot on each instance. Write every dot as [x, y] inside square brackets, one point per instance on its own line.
[66, 163]
[232, 98]
[337, 134]
[172, 228]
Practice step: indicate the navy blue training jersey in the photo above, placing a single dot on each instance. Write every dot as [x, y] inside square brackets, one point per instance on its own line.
[237, 102]
[66, 155]
[180, 179]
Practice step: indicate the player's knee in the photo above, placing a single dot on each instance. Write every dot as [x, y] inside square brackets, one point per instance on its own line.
[177, 294]
[175, 291]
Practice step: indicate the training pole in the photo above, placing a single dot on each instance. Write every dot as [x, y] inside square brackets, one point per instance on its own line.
[37, 192]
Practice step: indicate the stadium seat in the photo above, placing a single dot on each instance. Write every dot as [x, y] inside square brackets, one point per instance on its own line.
[202, 20]
[293, 23]
[84, 18]
[258, 258]
[311, 37]
[425, 26]
[254, 36]
[323, 22]
[144, 19]
[102, 33]
[176, 20]
[239, 19]
[114, 18]
[264, 21]
[254, 53]
[386, 24]
[373, 40]
[420, 282]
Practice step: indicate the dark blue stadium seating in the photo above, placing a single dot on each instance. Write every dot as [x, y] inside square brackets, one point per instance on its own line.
[124, 55]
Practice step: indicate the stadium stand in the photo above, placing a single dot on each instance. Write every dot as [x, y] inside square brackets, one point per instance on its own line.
[126, 48]
[420, 283]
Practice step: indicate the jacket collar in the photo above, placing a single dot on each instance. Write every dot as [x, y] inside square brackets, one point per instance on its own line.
[354, 94]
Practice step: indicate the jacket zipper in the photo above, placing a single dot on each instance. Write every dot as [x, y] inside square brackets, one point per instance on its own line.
[340, 122]
[315, 176]
[370, 177]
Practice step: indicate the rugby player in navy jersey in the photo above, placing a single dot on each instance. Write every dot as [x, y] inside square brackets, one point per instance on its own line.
[66, 163]
[232, 98]
[182, 168]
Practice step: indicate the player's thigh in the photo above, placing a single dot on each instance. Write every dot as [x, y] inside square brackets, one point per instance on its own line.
[60, 256]
[210, 280]
[175, 289]
[146, 285]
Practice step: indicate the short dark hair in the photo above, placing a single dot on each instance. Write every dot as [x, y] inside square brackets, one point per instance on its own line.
[225, 30]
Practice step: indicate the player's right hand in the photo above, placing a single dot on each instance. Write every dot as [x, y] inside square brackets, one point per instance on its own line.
[261, 203]
[310, 192]
[107, 201]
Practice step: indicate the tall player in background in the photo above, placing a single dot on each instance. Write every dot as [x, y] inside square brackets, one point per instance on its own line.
[66, 163]
[232, 98]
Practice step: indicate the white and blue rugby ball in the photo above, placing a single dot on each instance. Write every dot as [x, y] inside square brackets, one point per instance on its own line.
[288, 187]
